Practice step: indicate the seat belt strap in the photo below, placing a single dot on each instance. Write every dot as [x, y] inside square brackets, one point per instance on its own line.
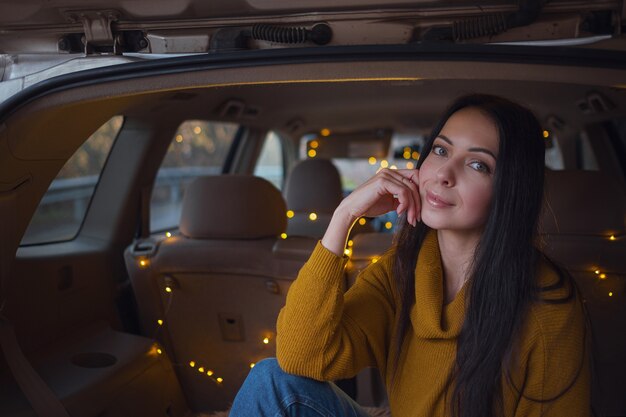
[39, 395]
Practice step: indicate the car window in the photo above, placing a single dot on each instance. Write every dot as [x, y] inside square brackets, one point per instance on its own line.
[270, 164]
[198, 148]
[62, 209]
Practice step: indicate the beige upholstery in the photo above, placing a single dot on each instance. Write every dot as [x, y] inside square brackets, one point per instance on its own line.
[583, 210]
[98, 371]
[226, 287]
[583, 203]
[313, 186]
[246, 207]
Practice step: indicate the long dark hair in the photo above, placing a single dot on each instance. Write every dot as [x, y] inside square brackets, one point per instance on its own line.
[501, 283]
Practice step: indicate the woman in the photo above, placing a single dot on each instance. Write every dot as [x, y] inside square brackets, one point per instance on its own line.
[463, 316]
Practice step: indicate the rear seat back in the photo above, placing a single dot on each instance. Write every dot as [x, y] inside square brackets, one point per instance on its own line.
[583, 229]
[216, 287]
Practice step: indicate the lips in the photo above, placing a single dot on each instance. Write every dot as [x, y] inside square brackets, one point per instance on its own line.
[437, 201]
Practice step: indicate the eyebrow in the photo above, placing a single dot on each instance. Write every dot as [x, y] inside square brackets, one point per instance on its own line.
[487, 151]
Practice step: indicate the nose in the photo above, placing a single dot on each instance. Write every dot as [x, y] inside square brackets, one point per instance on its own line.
[445, 175]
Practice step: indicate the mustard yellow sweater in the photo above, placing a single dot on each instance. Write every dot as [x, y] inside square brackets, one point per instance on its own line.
[326, 335]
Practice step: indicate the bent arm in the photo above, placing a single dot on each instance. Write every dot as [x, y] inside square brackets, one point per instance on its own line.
[325, 335]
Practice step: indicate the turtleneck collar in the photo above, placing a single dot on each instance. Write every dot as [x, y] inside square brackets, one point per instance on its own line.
[429, 317]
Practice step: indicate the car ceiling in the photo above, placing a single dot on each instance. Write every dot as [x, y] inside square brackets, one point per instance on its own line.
[297, 99]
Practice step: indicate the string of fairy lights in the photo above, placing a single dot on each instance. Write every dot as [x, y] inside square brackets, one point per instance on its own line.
[202, 369]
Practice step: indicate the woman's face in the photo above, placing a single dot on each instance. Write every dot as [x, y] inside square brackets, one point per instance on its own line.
[456, 178]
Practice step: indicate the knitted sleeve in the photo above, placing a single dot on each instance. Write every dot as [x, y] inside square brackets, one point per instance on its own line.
[326, 335]
[556, 381]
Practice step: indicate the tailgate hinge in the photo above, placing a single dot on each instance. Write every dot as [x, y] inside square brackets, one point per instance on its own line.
[97, 25]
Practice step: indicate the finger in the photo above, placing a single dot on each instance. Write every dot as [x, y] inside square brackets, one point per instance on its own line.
[387, 189]
[401, 191]
[412, 188]
[411, 177]
[416, 199]
[388, 181]
[404, 192]
[412, 174]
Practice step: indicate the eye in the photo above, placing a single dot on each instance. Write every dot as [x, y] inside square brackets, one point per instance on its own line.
[439, 150]
[480, 167]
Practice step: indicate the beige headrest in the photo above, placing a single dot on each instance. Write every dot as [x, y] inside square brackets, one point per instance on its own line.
[232, 207]
[314, 185]
[583, 203]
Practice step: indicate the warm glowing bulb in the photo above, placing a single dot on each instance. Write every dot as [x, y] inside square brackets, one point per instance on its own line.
[409, 165]
[610, 294]
[393, 167]
[597, 271]
[192, 364]
[374, 260]
[415, 155]
[325, 132]
[546, 134]
[168, 234]
[350, 243]
[311, 153]
[179, 138]
[201, 369]
[290, 213]
[314, 144]
[252, 365]
[219, 380]
[362, 221]
[312, 216]
[159, 351]
[283, 235]
[143, 263]
[197, 130]
[372, 160]
[266, 340]
[612, 237]
[160, 322]
[168, 289]
[406, 155]
[388, 225]
[602, 276]
[347, 252]
[384, 163]
[209, 372]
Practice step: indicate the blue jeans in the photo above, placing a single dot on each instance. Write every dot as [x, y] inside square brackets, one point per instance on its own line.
[268, 391]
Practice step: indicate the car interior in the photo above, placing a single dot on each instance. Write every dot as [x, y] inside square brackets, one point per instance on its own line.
[159, 213]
